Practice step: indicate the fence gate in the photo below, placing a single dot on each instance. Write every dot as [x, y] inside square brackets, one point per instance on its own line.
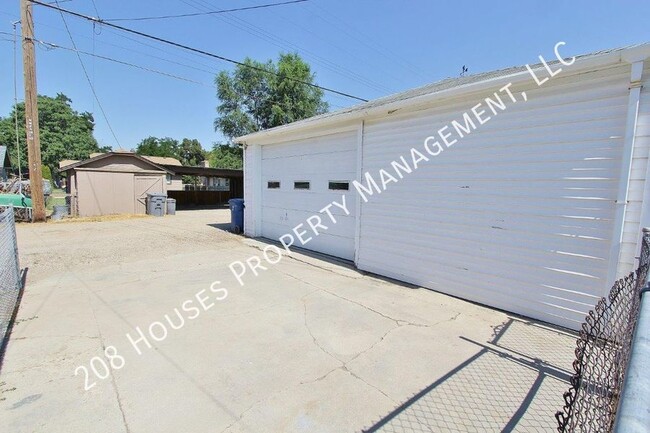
[10, 282]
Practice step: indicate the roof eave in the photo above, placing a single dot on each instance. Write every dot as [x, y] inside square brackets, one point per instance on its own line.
[109, 154]
[628, 55]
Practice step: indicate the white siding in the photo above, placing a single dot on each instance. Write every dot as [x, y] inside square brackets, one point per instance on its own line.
[252, 185]
[316, 160]
[517, 215]
[638, 182]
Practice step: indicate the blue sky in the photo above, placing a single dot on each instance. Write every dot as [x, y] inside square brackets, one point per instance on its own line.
[367, 48]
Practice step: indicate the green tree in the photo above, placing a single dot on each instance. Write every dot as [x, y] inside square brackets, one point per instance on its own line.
[190, 152]
[153, 146]
[47, 173]
[266, 95]
[64, 132]
[226, 156]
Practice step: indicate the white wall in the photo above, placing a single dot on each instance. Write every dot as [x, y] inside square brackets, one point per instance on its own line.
[638, 183]
[252, 190]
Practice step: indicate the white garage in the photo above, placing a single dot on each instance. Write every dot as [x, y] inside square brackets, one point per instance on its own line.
[504, 188]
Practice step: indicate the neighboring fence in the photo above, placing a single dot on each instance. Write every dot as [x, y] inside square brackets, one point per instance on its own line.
[10, 281]
[603, 353]
[189, 199]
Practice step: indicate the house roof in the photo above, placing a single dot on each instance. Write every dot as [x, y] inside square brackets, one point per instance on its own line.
[163, 160]
[444, 87]
[4, 157]
[65, 162]
[204, 171]
[101, 156]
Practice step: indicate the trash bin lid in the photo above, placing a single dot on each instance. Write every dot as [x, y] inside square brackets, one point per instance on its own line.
[156, 194]
[236, 201]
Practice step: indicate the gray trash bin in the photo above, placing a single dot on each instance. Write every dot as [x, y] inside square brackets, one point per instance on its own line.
[171, 206]
[156, 204]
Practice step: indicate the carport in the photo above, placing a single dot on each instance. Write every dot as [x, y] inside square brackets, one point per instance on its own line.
[206, 196]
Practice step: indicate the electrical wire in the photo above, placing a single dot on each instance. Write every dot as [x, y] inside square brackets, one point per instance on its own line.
[196, 50]
[394, 58]
[51, 45]
[208, 68]
[221, 11]
[90, 83]
[343, 49]
[285, 44]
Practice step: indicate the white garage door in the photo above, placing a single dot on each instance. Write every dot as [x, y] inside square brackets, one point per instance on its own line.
[313, 163]
[517, 215]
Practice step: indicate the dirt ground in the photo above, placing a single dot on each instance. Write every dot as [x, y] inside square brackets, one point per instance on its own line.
[309, 345]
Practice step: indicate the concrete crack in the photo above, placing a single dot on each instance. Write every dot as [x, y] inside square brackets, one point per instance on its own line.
[304, 305]
[372, 345]
[356, 376]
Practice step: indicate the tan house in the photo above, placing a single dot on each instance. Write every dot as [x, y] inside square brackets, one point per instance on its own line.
[113, 183]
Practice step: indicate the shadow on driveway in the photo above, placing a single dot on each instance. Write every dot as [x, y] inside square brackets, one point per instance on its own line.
[513, 383]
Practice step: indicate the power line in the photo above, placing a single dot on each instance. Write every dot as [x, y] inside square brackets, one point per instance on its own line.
[285, 44]
[53, 46]
[94, 7]
[121, 62]
[221, 11]
[341, 24]
[90, 83]
[168, 52]
[196, 50]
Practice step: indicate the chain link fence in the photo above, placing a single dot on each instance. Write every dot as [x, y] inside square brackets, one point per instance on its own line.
[10, 279]
[602, 355]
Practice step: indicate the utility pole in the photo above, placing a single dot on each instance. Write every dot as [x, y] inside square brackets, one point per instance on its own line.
[31, 112]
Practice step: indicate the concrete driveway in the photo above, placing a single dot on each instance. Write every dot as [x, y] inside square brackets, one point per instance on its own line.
[309, 345]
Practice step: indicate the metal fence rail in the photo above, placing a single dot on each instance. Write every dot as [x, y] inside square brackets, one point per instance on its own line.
[603, 353]
[10, 281]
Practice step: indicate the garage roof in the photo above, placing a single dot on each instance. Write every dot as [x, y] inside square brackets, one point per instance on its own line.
[457, 85]
[101, 156]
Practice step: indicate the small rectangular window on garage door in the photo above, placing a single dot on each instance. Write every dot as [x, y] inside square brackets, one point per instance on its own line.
[301, 184]
[339, 185]
[273, 184]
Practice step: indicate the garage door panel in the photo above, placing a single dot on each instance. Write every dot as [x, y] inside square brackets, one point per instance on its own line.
[335, 162]
[290, 218]
[447, 235]
[517, 215]
[319, 183]
[489, 294]
[327, 243]
[454, 219]
[318, 161]
[322, 145]
[548, 267]
[284, 202]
